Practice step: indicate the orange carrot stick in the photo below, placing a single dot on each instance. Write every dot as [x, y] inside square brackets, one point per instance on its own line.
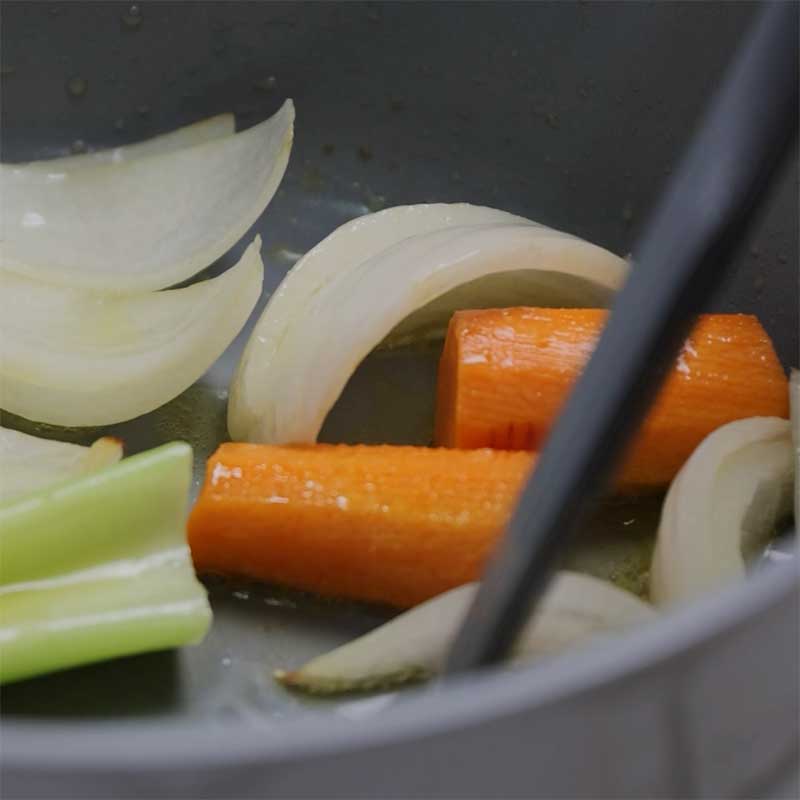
[388, 524]
[504, 374]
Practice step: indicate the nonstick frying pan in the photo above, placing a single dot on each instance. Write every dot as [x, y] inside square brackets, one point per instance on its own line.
[571, 114]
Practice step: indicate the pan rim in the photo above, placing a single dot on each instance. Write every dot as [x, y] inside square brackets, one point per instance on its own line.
[196, 744]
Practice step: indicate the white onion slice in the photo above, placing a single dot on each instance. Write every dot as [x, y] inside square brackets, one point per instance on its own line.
[198, 132]
[412, 265]
[412, 646]
[146, 222]
[725, 502]
[28, 463]
[77, 358]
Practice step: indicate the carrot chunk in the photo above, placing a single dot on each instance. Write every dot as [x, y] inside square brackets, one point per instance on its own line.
[505, 373]
[388, 524]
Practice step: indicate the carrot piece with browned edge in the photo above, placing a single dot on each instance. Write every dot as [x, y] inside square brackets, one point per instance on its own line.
[505, 373]
[388, 524]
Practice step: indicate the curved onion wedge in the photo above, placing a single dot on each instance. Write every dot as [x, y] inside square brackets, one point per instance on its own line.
[144, 223]
[28, 463]
[76, 358]
[198, 132]
[413, 645]
[725, 501]
[412, 265]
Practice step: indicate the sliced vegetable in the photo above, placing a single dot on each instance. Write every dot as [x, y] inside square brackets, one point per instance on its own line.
[97, 567]
[198, 132]
[724, 503]
[75, 358]
[576, 608]
[28, 463]
[505, 373]
[389, 524]
[145, 222]
[399, 273]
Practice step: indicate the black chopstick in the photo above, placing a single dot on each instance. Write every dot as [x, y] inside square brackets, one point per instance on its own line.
[680, 259]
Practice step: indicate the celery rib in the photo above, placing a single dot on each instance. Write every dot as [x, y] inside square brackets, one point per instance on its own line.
[97, 567]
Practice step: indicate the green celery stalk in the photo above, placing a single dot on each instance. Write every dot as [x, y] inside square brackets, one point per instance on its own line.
[98, 567]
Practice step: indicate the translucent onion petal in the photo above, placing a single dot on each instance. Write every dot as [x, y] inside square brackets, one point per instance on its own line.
[198, 132]
[723, 504]
[28, 463]
[143, 223]
[401, 272]
[77, 358]
[576, 609]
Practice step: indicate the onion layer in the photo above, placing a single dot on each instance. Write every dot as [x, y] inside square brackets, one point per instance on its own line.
[723, 504]
[28, 463]
[198, 132]
[402, 272]
[77, 358]
[145, 222]
[413, 646]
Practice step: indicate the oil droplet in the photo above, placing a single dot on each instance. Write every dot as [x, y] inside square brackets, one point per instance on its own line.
[77, 86]
[627, 213]
[312, 180]
[375, 202]
[132, 18]
[267, 84]
[78, 146]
